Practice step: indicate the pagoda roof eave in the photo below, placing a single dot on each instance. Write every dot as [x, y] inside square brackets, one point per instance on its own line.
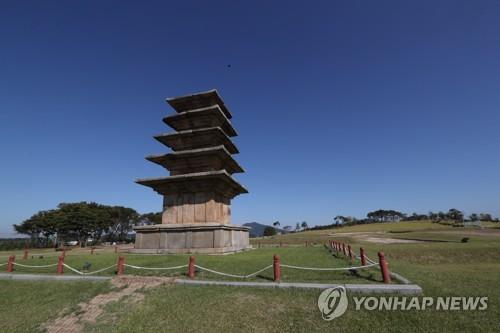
[166, 159]
[218, 181]
[198, 100]
[226, 125]
[168, 138]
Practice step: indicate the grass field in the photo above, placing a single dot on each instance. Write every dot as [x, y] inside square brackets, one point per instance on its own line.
[24, 305]
[448, 268]
[240, 264]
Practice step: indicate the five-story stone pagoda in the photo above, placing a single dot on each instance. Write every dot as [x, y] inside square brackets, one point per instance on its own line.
[197, 194]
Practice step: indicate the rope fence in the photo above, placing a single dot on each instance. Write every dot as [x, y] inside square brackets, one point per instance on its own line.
[334, 247]
[156, 268]
[34, 266]
[233, 275]
[329, 269]
[87, 273]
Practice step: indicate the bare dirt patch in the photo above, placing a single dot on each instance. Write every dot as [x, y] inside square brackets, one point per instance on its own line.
[129, 286]
[374, 237]
[385, 240]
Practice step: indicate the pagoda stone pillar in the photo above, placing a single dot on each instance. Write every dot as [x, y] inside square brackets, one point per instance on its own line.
[197, 195]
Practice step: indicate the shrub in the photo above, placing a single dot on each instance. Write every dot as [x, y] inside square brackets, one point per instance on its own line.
[269, 231]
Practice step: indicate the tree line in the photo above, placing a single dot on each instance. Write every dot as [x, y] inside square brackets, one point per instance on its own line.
[83, 222]
[299, 226]
[453, 215]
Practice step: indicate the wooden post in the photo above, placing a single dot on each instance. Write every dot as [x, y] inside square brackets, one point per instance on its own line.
[280, 244]
[10, 263]
[120, 265]
[362, 255]
[343, 249]
[25, 255]
[384, 268]
[306, 243]
[277, 268]
[191, 268]
[91, 251]
[60, 265]
[116, 248]
[351, 255]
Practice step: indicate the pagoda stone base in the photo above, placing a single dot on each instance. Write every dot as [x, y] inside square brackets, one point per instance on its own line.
[191, 238]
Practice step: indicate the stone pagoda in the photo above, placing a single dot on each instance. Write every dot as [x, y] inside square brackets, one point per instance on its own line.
[197, 194]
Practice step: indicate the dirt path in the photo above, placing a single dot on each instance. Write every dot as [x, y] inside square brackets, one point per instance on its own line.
[129, 286]
[374, 237]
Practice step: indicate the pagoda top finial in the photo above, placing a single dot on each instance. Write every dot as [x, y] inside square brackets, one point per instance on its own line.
[199, 100]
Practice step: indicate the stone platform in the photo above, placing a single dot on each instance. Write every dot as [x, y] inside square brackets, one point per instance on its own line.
[191, 238]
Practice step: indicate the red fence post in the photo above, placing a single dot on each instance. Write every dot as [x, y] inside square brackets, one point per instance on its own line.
[343, 248]
[362, 255]
[351, 255]
[25, 256]
[10, 264]
[121, 265]
[63, 253]
[191, 268]
[277, 268]
[60, 265]
[384, 268]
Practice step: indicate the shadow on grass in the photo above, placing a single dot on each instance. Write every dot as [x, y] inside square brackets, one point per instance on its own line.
[369, 276]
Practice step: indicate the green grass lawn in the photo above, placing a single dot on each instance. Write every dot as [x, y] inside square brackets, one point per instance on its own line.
[319, 236]
[25, 305]
[242, 263]
[441, 268]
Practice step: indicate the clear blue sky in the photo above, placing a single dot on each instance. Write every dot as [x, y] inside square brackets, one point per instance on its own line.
[342, 107]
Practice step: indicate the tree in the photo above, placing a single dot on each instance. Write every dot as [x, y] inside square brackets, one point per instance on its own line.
[382, 215]
[297, 226]
[434, 217]
[269, 231]
[276, 224]
[79, 221]
[442, 216]
[485, 217]
[122, 221]
[150, 218]
[40, 227]
[82, 221]
[287, 228]
[304, 225]
[455, 215]
[473, 217]
[339, 219]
